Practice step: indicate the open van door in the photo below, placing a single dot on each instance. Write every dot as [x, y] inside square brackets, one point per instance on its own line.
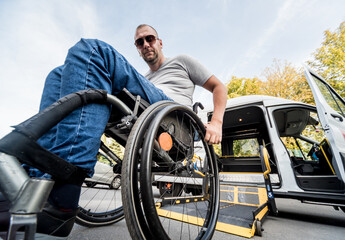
[331, 110]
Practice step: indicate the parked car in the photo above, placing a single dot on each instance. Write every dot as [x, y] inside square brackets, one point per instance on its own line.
[104, 174]
[306, 143]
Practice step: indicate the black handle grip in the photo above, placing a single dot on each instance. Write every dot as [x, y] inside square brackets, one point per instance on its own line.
[39, 124]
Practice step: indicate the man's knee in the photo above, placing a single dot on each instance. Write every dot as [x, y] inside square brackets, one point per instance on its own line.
[91, 44]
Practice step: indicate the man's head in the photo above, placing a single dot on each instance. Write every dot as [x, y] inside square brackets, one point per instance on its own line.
[149, 45]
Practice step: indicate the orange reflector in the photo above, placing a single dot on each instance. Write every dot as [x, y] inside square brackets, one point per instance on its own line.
[165, 141]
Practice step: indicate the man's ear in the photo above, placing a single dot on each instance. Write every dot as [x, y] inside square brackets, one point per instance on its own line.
[160, 43]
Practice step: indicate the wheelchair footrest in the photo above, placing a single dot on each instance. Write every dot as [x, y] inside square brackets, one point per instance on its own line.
[28, 221]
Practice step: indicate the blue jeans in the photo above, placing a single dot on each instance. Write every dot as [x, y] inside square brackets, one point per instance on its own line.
[89, 64]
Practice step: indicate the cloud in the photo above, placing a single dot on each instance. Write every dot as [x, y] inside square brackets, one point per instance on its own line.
[36, 37]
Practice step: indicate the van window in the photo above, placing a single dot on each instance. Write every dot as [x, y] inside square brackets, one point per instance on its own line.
[298, 148]
[314, 132]
[246, 148]
[331, 98]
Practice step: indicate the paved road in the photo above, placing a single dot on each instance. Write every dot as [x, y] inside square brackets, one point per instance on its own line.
[295, 221]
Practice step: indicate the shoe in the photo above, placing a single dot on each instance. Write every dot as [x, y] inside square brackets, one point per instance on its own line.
[4, 213]
[54, 222]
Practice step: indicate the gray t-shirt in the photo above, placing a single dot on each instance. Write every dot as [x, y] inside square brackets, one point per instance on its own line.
[178, 76]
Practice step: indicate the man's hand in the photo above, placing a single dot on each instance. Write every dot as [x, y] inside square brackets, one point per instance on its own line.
[214, 128]
[213, 132]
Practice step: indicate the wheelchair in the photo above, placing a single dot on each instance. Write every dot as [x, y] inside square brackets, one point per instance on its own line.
[169, 175]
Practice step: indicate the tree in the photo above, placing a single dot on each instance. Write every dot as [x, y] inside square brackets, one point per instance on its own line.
[286, 81]
[243, 86]
[114, 146]
[329, 59]
[281, 80]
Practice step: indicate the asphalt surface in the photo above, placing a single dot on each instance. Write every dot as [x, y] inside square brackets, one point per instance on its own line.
[294, 221]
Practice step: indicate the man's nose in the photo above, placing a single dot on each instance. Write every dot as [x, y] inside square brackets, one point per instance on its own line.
[146, 44]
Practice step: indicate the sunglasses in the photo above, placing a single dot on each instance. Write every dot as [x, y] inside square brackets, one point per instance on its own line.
[149, 39]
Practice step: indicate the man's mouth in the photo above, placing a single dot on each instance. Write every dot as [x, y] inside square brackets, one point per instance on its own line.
[148, 53]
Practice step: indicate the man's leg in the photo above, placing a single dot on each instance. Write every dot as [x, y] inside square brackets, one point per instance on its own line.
[51, 93]
[89, 64]
[94, 64]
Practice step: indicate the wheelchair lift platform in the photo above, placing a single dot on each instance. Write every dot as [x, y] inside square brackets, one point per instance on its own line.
[242, 210]
[242, 207]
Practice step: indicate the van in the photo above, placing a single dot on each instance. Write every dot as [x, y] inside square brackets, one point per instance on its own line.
[306, 144]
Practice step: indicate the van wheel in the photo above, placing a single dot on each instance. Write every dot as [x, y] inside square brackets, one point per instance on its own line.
[116, 183]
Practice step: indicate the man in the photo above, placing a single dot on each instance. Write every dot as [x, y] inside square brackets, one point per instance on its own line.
[94, 64]
[150, 49]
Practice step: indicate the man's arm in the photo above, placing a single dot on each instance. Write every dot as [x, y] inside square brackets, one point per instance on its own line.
[214, 127]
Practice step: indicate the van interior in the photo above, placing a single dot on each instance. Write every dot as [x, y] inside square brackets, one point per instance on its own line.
[310, 153]
[245, 128]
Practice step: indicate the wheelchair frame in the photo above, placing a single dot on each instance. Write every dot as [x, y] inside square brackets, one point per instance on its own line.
[19, 188]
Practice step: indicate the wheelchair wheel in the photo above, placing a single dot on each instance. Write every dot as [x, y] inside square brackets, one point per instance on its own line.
[174, 151]
[131, 193]
[100, 202]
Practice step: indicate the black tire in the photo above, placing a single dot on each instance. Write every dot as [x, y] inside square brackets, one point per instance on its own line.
[130, 188]
[100, 206]
[187, 133]
[116, 183]
[169, 189]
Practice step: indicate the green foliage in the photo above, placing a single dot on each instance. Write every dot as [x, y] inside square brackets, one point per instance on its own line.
[329, 59]
[280, 80]
[217, 149]
[243, 86]
[246, 147]
[114, 146]
[102, 159]
[286, 81]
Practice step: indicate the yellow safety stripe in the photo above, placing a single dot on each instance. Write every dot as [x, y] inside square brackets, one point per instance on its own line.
[267, 163]
[236, 230]
[240, 203]
[324, 153]
[180, 217]
[224, 227]
[254, 193]
[262, 213]
[262, 196]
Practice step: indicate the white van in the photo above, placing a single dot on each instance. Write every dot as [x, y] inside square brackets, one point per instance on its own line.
[306, 144]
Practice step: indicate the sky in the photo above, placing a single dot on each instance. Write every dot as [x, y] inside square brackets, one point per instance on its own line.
[230, 37]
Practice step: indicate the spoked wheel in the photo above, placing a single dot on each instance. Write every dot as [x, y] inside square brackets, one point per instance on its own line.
[174, 151]
[130, 186]
[101, 204]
